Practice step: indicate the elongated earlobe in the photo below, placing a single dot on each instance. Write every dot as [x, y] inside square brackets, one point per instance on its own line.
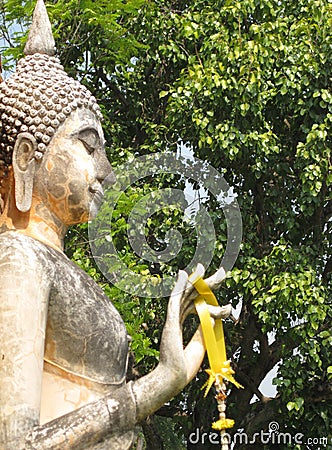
[24, 164]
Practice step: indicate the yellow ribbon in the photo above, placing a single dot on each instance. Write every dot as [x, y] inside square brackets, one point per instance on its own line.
[213, 336]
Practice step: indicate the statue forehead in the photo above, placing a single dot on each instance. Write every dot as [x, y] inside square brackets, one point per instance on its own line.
[87, 118]
[81, 119]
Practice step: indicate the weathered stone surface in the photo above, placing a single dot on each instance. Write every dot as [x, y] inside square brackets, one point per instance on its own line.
[40, 39]
[85, 337]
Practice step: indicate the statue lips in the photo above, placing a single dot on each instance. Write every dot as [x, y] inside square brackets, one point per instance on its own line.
[98, 196]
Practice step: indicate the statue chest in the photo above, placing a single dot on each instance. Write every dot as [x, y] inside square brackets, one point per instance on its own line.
[86, 343]
[57, 312]
[85, 334]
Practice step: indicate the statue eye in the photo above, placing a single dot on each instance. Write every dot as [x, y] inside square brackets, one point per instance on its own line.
[90, 139]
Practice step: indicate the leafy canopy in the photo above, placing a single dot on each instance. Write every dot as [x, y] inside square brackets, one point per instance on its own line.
[247, 87]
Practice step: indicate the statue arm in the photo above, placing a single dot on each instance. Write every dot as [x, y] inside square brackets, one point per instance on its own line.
[94, 423]
[23, 309]
[121, 410]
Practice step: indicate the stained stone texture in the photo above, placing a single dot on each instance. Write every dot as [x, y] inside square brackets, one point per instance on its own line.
[85, 337]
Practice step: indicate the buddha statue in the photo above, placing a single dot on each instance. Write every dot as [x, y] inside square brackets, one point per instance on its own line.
[63, 345]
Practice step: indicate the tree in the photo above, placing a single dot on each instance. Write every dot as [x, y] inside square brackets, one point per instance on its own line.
[246, 85]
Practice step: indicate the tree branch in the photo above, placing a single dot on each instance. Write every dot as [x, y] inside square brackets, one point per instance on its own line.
[101, 74]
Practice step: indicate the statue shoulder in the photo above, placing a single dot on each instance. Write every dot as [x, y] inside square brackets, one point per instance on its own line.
[23, 254]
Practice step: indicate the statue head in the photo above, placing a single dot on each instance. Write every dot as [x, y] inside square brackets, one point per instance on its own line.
[35, 103]
[36, 99]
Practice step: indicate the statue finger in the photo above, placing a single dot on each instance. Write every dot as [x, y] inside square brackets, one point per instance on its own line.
[177, 293]
[214, 281]
[190, 290]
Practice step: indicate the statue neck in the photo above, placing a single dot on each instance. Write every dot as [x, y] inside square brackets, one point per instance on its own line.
[38, 223]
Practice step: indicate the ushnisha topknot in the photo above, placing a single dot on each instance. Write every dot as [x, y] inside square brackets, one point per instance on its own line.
[40, 39]
[40, 95]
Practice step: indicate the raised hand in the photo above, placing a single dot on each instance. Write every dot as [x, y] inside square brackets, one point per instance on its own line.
[177, 365]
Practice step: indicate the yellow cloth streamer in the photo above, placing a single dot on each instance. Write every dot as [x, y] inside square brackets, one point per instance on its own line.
[213, 336]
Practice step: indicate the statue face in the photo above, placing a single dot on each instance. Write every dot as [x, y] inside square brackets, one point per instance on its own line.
[71, 172]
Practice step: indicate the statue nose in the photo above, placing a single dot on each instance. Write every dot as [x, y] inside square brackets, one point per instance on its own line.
[110, 179]
[105, 173]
